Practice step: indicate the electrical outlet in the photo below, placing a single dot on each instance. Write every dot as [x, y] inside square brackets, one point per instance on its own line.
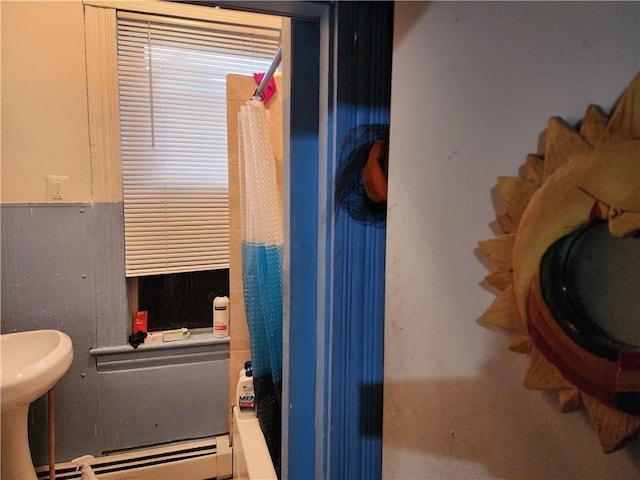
[57, 188]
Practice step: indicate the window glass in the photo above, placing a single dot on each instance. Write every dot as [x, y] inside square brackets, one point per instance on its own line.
[181, 299]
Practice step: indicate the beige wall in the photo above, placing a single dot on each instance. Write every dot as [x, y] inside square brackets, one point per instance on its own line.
[239, 90]
[44, 100]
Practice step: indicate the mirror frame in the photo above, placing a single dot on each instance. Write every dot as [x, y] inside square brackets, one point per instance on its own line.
[589, 174]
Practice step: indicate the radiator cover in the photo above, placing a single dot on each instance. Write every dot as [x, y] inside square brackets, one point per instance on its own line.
[151, 397]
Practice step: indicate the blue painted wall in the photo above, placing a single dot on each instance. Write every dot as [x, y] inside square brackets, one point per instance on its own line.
[63, 268]
[364, 47]
[303, 247]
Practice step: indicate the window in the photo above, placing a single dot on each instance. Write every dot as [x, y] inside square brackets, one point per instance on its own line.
[181, 299]
[173, 129]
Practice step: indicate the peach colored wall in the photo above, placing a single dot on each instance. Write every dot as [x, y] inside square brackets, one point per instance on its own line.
[239, 90]
[44, 100]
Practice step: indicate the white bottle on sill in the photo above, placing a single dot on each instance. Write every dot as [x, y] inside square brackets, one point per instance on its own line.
[221, 316]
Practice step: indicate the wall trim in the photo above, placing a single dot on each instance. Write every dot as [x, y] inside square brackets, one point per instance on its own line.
[184, 10]
[102, 96]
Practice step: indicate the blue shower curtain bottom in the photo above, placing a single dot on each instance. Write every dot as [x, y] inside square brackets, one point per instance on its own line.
[269, 405]
[262, 282]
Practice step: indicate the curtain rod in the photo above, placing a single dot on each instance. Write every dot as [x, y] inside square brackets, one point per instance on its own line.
[267, 76]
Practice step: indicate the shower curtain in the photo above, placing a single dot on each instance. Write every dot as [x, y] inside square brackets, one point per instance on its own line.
[262, 250]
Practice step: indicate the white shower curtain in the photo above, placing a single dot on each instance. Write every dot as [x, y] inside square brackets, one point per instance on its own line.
[262, 250]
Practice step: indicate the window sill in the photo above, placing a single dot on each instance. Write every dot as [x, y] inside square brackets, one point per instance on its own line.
[197, 339]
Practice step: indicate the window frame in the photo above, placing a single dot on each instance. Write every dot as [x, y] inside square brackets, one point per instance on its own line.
[101, 43]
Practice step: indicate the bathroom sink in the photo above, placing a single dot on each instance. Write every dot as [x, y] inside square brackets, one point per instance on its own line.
[30, 364]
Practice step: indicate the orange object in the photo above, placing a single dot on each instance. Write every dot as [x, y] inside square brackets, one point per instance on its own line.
[374, 173]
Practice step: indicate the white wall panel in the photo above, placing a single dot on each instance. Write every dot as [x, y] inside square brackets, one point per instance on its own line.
[474, 84]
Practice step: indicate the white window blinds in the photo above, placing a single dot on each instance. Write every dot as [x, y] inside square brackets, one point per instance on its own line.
[173, 121]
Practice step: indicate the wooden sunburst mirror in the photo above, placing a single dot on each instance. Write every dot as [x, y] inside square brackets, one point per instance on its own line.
[586, 184]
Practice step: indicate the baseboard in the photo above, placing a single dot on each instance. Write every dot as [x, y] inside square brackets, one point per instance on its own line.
[201, 460]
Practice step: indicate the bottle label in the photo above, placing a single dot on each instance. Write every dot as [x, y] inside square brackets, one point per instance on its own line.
[217, 307]
[247, 402]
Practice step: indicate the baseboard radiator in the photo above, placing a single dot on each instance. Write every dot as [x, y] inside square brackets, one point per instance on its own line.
[201, 460]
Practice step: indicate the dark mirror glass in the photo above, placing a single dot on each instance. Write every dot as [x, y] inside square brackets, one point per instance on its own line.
[604, 273]
[591, 283]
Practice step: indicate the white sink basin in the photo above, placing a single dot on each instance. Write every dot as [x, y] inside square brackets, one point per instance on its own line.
[30, 364]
